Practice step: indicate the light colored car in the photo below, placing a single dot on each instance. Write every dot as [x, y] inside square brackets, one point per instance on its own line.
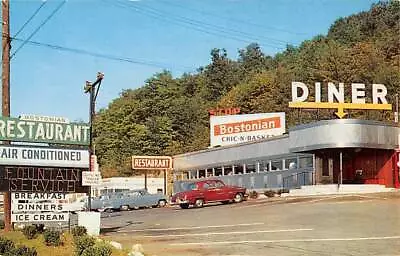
[133, 199]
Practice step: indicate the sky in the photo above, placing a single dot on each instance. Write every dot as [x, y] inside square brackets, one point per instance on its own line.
[139, 39]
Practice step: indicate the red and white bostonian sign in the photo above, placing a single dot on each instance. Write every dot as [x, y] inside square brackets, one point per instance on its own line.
[151, 162]
[227, 130]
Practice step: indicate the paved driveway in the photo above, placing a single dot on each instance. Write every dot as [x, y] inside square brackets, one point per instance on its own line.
[345, 225]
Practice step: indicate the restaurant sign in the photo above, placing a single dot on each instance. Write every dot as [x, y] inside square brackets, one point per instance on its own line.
[14, 129]
[151, 162]
[38, 179]
[336, 97]
[42, 156]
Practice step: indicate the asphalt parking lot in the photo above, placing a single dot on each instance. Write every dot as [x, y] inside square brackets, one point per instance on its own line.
[334, 225]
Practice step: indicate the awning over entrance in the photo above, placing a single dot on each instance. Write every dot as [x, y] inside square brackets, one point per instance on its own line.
[343, 133]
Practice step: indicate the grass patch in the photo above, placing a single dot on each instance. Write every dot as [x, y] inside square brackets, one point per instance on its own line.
[66, 249]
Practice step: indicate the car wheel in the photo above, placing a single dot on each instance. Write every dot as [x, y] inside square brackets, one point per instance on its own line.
[124, 208]
[162, 203]
[199, 203]
[184, 206]
[109, 210]
[238, 198]
[135, 207]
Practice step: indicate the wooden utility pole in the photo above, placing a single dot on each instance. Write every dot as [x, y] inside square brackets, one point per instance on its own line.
[93, 90]
[6, 93]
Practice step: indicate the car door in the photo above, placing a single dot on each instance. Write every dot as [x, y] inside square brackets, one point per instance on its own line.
[211, 193]
[148, 199]
[134, 200]
[223, 192]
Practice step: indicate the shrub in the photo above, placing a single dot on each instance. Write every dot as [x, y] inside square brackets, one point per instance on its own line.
[2, 224]
[282, 190]
[253, 195]
[78, 231]
[30, 231]
[6, 244]
[83, 242]
[40, 228]
[52, 238]
[269, 193]
[21, 251]
[100, 249]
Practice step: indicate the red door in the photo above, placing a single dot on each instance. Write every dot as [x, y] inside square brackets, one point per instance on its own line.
[396, 165]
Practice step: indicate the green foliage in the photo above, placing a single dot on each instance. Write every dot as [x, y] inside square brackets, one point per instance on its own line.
[269, 193]
[169, 116]
[21, 250]
[83, 242]
[5, 244]
[253, 195]
[2, 224]
[52, 238]
[78, 231]
[30, 231]
[100, 249]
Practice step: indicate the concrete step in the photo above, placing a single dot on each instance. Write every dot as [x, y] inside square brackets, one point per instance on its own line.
[343, 189]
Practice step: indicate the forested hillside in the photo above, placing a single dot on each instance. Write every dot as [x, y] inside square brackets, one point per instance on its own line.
[168, 116]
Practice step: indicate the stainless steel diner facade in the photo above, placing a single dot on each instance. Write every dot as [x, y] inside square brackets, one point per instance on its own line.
[308, 154]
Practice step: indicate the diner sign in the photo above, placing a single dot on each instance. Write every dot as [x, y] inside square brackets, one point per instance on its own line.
[43, 156]
[336, 96]
[14, 129]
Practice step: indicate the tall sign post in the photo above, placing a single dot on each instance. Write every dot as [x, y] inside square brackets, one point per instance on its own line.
[6, 93]
[160, 163]
[93, 90]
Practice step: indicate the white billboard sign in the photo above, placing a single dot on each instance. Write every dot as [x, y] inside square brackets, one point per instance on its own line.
[91, 178]
[40, 217]
[32, 196]
[45, 157]
[233, 129]
[36, 207]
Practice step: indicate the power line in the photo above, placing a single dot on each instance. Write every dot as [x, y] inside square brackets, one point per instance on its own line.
[204, 25]
[29, 20]
[38, 28]
[100, 55]
[232, 19]
[189, 24]
[220, 28]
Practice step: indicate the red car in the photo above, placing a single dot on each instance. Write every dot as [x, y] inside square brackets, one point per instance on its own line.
[202, 192]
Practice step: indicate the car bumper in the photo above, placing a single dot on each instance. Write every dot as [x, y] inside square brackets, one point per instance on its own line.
[180, 201]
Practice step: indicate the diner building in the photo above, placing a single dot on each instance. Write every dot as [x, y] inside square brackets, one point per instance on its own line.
[339, 151]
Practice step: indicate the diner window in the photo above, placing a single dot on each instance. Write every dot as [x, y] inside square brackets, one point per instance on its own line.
[264, 166]
[228, 170]
[218, 171]
[250, 168]
[238, 169]
[306, 162]
[202, 173]
[276, 165]
[290, 163]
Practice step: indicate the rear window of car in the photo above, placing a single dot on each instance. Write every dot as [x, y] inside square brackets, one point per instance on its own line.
[191, 186]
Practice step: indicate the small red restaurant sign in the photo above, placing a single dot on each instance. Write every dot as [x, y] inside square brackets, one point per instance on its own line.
[151, 162]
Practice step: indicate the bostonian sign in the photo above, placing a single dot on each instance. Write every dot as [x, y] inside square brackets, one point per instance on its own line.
[36, 156]
[14, 129]
[36, 179]
[152, 162]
